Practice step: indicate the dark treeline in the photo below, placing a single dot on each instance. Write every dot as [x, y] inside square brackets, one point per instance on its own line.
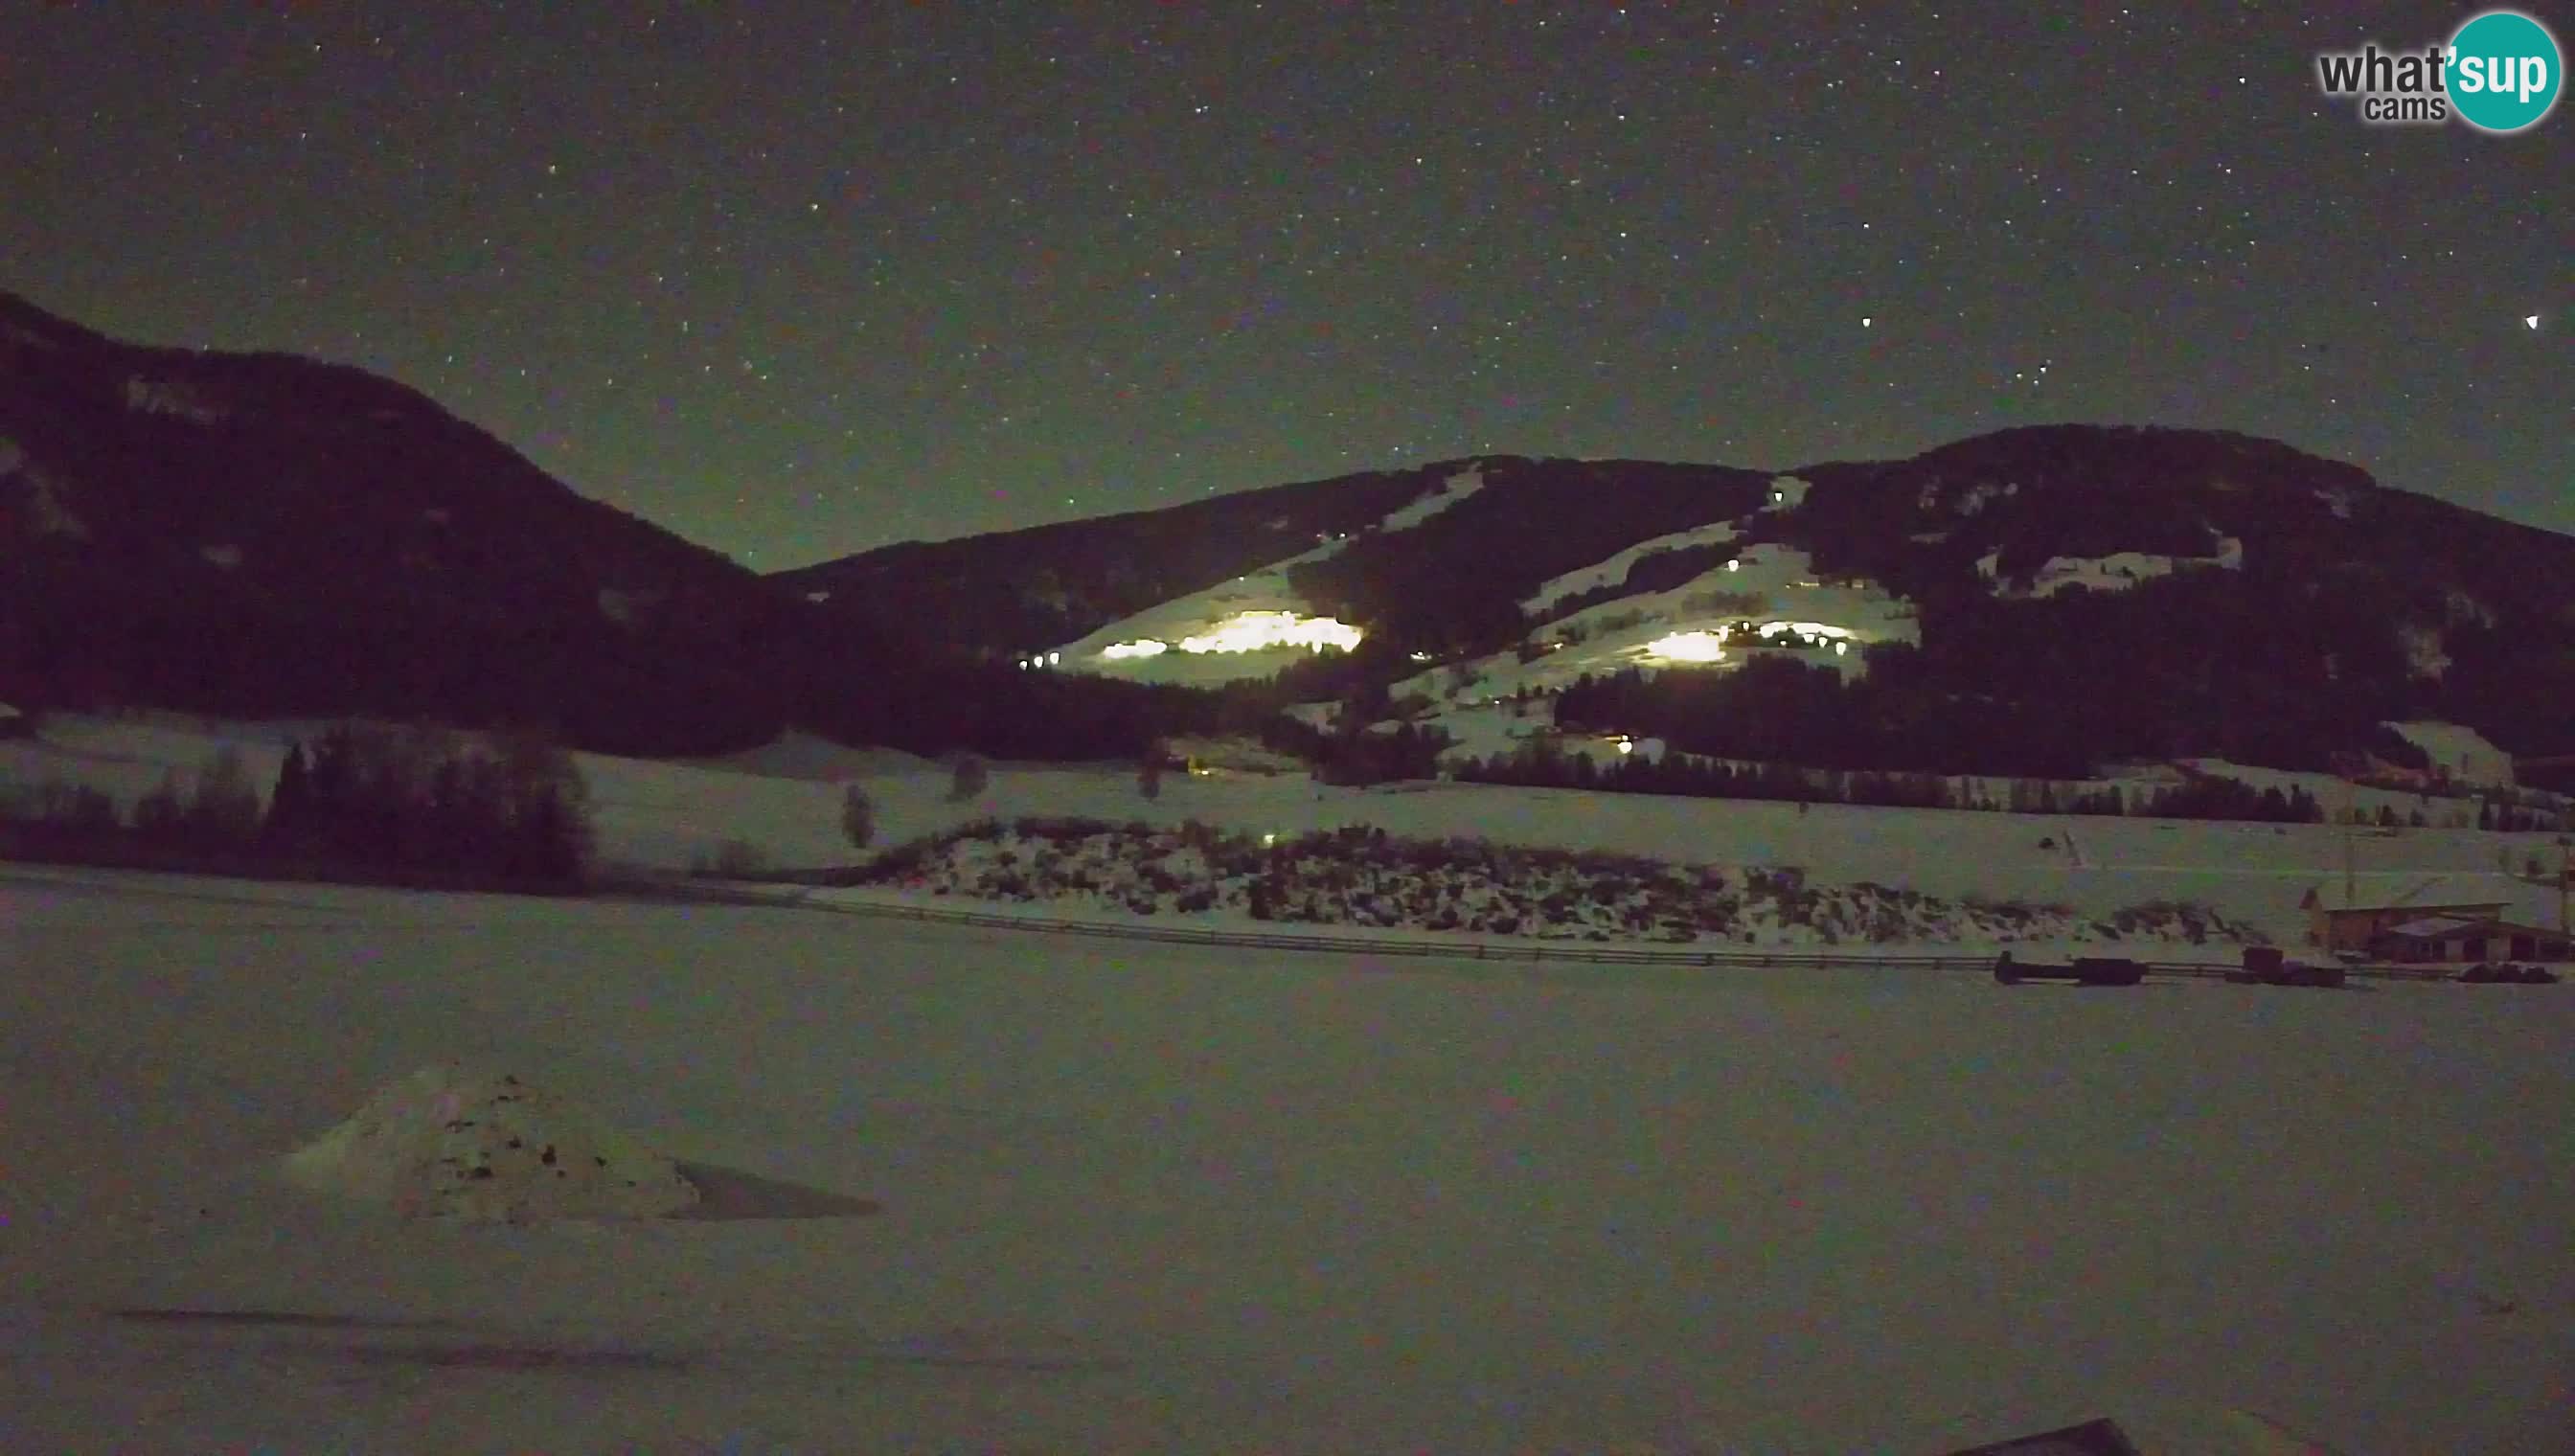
[1346, 754]
[2520, 818]
[1544, 763]
[1901, 716]
[670, 685]
[402, 804]
[512, 806]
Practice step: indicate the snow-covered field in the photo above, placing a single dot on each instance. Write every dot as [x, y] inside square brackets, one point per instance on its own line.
[1143, 1198]
[784, 800]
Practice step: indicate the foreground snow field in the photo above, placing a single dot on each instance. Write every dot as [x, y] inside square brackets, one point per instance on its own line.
[1144, 1197]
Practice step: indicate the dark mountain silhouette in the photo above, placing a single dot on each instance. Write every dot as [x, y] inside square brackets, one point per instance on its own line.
[2339, 602]
[1016, 591]
[257, 532]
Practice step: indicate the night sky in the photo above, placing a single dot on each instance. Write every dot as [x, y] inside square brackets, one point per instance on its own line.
[795, 280]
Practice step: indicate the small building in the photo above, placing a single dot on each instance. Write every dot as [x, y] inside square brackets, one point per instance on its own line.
[16, 723]
[2448, 937]
[2340, 918]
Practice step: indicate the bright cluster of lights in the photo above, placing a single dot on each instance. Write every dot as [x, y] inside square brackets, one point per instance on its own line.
[1709, 646]
[1688, 647]
[1802, 628]
[1249, 632]
[1042, 659]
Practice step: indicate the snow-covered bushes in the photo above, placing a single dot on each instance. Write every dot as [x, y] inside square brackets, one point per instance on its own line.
[1360, 875]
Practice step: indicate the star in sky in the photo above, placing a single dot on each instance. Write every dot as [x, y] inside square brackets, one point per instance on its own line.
[799, 284]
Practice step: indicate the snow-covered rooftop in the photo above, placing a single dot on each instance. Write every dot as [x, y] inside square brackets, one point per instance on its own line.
[2432, 928]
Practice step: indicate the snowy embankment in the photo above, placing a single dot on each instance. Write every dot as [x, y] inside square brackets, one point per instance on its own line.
[1364, 878]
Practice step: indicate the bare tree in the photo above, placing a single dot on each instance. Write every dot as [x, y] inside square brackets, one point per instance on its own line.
[858, 816]
[225, 805]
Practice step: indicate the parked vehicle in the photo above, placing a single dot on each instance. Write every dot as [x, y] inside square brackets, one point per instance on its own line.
[2508, 973]
[2090, 971]
[2265, 965]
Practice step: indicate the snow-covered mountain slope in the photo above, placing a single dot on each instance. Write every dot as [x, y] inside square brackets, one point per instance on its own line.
[1250, 627]
[267, 532]
[1768, 598]
[1612, 572]
[2458, 753]
[2245, 600]
[1765, 601]
[2115, 571]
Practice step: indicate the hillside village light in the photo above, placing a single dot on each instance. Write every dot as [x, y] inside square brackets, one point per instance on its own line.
[1688, 647]
[1250, 631]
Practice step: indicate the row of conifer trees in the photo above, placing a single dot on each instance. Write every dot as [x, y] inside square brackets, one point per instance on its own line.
[508, 810]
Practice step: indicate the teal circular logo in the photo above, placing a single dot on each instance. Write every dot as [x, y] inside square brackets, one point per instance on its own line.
[2504, 72]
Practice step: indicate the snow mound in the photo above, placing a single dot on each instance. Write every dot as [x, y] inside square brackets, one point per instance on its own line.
[449, 1142]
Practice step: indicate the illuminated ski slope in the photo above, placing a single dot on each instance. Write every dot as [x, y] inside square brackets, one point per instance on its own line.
[1767, 600]
[1250, 627]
